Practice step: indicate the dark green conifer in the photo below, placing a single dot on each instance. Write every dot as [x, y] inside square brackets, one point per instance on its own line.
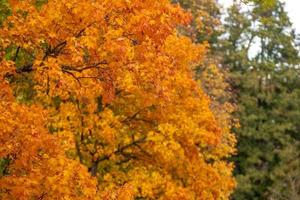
[263, 59]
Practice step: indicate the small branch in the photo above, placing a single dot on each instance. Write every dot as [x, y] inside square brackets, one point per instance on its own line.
[42, 196]
[93, 169]
[132, 117]
[95, 65]
[56, 50]
[25, 68]
[70, 73]
[78, 141]
[16, 55]
[48, 84]
[91, 77]
[142, 150]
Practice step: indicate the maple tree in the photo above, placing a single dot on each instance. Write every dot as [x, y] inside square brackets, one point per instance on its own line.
[115, 80]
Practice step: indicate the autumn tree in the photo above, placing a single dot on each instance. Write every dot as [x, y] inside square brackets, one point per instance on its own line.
[211, 74]
[116, 81]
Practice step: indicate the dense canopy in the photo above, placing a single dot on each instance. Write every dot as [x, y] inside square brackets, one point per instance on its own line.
[99, 100]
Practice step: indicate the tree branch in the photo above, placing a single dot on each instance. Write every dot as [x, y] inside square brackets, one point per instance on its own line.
[95, 65]
[16, 55]
[93, 169]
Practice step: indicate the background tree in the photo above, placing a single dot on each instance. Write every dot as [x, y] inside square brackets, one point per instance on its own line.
[211, 74]
[263, 59]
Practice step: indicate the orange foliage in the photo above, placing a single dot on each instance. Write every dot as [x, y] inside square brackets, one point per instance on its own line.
[38, 168]
[115, 79]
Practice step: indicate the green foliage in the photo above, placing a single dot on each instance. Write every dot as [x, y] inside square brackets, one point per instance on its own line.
[3, 166]
[206, 20]
[4, 10]
[40, 3]
[264, 3]
[267, 93]
[23, 84]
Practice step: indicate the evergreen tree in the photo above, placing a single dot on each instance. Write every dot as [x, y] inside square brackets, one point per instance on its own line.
[267, 85]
